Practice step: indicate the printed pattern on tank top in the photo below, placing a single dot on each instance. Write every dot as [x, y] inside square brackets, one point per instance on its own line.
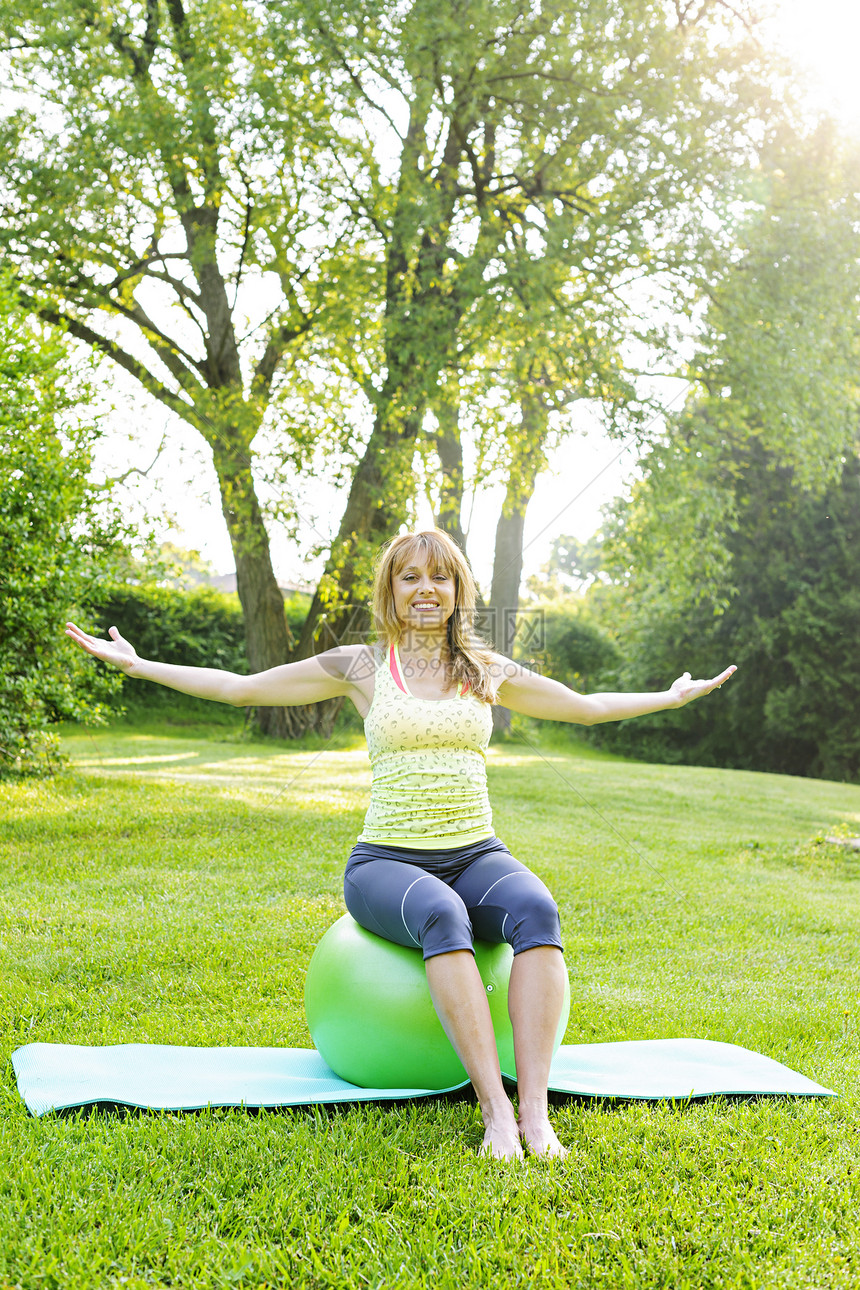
[429, 765]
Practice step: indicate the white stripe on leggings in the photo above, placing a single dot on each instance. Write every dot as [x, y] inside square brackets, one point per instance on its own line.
[512, 874]
[403, 902]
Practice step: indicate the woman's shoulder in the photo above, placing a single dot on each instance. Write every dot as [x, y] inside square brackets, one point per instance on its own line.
[504, 669]
[352, 663]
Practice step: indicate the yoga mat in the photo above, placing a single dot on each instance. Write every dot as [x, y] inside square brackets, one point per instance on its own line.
[56, 1077]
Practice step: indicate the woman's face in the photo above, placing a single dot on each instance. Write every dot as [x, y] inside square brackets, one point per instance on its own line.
[424, 593]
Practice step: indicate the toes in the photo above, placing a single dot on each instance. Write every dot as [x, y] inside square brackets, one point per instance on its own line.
[542, 1141]
[501, 1148]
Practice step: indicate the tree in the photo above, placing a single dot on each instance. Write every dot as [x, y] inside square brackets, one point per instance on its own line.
[521, 386]
[776, 367]
[572, 565]
[53, 527]
[163, 200]
[551, 359]
[363, 179]
[583, 136]
[740, 542]
[791, 625]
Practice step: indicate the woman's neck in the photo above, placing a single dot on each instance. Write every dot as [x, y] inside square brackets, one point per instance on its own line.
[427, 647]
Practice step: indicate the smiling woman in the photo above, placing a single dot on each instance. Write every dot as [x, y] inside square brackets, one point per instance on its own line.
[427, 869]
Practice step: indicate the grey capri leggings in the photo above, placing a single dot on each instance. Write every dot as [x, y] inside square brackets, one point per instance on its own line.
[440, 900]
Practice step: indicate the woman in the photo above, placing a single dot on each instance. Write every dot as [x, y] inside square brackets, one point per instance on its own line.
[427, 869]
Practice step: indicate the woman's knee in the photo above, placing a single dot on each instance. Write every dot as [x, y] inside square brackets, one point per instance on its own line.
[445, 926]
[535, 921]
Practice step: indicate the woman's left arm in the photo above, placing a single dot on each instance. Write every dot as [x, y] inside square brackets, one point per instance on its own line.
[539, 696]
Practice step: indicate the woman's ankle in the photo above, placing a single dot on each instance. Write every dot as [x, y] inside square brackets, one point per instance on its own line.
[533, 1108]
[497, 1111]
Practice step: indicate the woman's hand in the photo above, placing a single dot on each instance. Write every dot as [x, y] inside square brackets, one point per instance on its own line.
[684, 690]
[116, 651]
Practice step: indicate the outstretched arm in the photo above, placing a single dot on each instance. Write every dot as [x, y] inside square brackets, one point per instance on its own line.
[326, 676]
[539, 696]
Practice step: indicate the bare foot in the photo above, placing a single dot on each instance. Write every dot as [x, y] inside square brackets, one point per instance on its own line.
[501, 1145]
[501, 1137]
[539, 1136]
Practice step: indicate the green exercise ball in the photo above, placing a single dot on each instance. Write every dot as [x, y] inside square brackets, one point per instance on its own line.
[372, 1019]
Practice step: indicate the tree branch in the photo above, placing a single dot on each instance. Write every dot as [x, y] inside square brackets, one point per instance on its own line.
[246, 237]
[177, 361]
[140, 266]
[138, 60]
[120, 356]
[202, 109]
[184, 293]
[150, 35]
[354, 77]
[137, 470]
[276, 347]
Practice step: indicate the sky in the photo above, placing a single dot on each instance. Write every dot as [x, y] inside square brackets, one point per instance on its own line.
[822, 38]
[588, 470]
[178, 500]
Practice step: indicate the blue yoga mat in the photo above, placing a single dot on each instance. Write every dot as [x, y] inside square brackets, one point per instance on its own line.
[56, 1077]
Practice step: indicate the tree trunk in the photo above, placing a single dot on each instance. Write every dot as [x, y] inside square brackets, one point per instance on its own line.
[508, 555]
[266, 635]
[505, 592]
[375, 509]
[450, 450]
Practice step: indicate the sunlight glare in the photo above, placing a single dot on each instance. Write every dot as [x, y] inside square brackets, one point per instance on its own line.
[822, 37]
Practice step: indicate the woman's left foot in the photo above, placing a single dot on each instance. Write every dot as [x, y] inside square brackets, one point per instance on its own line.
[540, 1138]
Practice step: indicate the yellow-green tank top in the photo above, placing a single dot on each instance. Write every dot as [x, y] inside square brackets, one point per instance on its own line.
[428, 758]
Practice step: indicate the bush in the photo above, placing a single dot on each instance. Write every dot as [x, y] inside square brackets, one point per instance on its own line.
[792, 627]
[198, 627]
[195, 627]
[561, 641]
[50, 533]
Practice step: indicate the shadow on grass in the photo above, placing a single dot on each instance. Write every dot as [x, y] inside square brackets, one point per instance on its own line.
[121, 1110]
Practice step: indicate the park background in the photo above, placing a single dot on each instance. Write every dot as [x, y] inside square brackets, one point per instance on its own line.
[279, 280]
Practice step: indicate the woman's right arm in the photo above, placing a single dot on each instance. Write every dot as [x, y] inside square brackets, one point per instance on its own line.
[325, 676]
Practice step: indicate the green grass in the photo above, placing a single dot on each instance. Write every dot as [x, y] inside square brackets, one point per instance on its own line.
[170, 887]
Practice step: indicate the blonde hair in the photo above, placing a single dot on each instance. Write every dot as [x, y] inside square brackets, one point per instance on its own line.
[471, 657]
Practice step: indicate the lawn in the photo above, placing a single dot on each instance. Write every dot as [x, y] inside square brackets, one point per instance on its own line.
[170, 887]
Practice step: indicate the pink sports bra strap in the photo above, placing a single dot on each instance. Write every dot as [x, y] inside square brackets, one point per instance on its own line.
[395, 670]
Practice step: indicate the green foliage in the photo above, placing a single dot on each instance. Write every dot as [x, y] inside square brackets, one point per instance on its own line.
[572, 565]
[775, 374]
[739, 544]
[778, 361]
[515, 177]
[179, 566]
[197, 627]
[791, 625]
[169, 193]
[561, 640]
[51, 528]
[179, 149]
[289, 243]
